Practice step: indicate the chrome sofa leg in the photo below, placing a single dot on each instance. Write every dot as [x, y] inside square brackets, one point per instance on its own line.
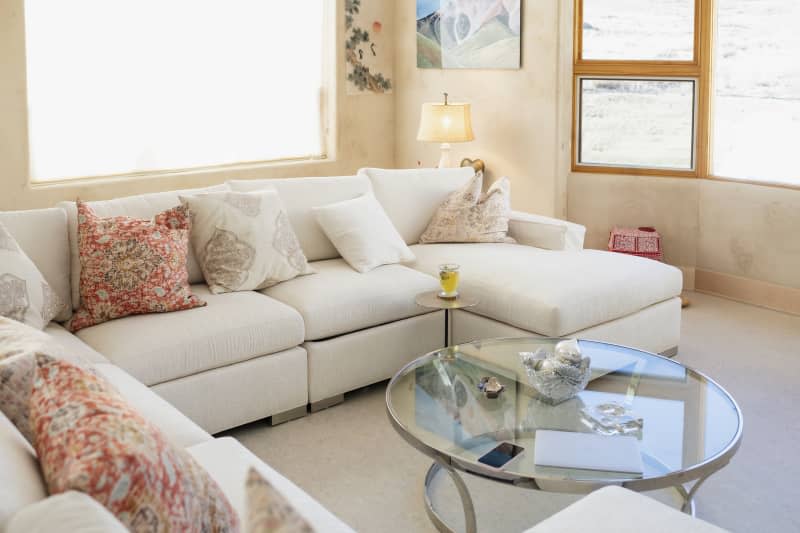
[327, 402]
[286, 416]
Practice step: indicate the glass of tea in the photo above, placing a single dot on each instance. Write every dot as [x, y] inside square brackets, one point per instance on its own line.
[448, 279]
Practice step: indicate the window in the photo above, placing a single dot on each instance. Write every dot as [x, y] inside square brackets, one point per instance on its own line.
[692, 88]
[756, 97]
[141, 86]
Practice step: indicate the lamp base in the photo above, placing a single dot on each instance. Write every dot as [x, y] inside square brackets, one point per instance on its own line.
[446, 160]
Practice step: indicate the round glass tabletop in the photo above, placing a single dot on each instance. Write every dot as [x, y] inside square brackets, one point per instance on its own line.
[690, 428]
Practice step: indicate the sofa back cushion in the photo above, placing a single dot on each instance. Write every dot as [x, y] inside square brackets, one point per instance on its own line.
[144, 206]
[411, 196]
[300, 195]
[42, 235]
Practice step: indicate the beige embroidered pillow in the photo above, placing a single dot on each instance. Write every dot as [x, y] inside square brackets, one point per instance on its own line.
[470, 216]
[244, 241]
[268, 511]
[25, 296]
[19, 345]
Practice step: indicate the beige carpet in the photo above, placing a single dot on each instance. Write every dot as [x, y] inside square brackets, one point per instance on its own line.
[352, 461]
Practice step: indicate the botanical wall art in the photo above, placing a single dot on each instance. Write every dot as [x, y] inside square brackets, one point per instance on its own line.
[468, 34]
[367, 55]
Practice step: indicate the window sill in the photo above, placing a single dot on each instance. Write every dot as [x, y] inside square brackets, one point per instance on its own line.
[181, 173]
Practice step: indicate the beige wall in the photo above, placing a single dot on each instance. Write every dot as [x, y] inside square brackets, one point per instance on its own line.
[745, 230]
[365, 132]
[515, 112]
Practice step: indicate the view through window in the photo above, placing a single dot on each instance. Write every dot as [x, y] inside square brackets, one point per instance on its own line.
[138, 86]
[634, 105]
[756, 106]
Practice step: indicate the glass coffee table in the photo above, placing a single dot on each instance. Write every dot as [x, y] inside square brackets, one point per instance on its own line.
[691, 427]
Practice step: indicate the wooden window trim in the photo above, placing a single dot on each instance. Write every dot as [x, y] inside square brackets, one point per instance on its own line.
[699, 68]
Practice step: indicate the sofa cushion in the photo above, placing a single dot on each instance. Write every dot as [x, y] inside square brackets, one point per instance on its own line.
[545, 232]
[233, 327]
[69, 343]
[88, 438]
[21, 481]
[268, 510]
[131, 266]
[410, 197]
[470, 215]
[553, 293]
[337, 299]
[244, 240]
[173, 424]
[362, 233]
[300, 195]
[42, 235]
[68, 511]
[143, 206]
[24, 293]
[228, 462]
[617, 510]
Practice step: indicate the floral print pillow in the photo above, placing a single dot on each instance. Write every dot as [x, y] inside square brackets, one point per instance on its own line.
[468, 215]
[268, 511]
[89, 439]
[131, 266]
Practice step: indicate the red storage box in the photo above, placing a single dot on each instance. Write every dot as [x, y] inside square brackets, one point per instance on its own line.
[643, 242]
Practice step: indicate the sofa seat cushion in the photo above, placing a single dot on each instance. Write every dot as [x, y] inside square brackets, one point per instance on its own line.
[233, 327]
[175, 426]
[553, 293]
[617, 510]
[338, 300]
[70, 345]
[228, 463]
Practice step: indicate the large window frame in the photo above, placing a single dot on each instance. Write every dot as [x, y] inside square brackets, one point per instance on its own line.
[698, 69]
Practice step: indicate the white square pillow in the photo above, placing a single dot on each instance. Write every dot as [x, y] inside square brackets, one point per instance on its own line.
[244, 241]
[25, 296]
[362, 233]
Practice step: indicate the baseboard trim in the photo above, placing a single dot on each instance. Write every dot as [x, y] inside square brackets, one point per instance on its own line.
[751, 291]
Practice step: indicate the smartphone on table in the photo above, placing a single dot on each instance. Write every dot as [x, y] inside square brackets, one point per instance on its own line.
[501, 454]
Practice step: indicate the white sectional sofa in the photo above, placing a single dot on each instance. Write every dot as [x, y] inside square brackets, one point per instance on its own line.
[248, 356]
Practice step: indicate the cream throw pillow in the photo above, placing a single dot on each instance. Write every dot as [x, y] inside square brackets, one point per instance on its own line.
[25, 296]
[470, 216]
[244, 241]
[362, 233]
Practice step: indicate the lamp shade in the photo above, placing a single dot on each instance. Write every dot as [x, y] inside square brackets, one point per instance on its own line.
[445, 123]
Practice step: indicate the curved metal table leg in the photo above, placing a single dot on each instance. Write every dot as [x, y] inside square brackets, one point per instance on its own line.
[688, 506]
[463, 492]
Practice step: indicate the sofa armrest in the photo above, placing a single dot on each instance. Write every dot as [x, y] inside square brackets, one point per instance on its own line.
[545, 232]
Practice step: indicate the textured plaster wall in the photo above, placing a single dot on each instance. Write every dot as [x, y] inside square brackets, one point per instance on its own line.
[746, 230]
[365, 132]
[515, 112]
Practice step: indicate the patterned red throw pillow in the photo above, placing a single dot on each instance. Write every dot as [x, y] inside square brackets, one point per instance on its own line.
[90, 440]
[131, 266]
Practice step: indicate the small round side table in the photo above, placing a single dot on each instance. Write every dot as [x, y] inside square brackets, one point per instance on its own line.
[431, 300]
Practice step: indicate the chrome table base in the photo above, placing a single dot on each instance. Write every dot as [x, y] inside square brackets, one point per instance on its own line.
[463, 493]
[687, 497]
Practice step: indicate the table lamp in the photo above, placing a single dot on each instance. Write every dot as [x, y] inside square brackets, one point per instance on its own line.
[445, 123]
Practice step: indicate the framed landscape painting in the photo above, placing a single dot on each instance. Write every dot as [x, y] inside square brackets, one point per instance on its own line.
[468, 34]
